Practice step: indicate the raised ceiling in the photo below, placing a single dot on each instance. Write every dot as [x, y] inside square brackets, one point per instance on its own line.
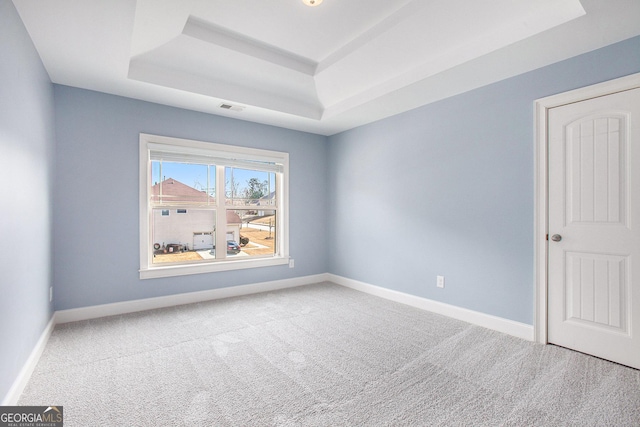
[320, 69]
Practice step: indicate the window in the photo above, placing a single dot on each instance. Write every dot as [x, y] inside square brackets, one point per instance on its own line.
[232, 201]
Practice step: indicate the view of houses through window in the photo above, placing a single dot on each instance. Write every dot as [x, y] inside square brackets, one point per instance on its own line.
[186, 214]
[208, 207]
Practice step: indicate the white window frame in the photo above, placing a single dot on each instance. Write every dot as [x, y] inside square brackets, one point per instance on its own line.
[149, 142]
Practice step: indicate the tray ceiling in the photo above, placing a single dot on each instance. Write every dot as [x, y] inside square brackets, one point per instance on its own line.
[320, 69]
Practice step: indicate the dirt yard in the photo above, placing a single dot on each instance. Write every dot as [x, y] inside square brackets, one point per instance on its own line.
[261, 237]
[177, 257]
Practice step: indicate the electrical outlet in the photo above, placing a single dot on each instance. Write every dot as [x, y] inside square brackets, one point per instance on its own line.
[440, 281]
[50, 293]
[291, 263]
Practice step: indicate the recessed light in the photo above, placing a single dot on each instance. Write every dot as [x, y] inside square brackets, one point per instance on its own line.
[312, 2]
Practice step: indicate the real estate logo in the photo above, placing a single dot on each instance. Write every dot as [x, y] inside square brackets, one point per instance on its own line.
[31, 416]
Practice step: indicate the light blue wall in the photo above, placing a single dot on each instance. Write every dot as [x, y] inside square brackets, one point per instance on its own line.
[444, 189]
[26, 154]
[96, 196]
[447, 189]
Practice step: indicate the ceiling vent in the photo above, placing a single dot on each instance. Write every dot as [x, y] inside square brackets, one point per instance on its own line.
[231, 107]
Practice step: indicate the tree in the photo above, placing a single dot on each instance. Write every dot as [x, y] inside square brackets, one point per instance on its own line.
[255, 189]
[232, 188]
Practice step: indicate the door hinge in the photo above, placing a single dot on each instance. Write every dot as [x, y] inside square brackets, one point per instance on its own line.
[547, 237]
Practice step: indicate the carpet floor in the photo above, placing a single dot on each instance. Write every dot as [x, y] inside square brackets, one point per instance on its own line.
[319, 355]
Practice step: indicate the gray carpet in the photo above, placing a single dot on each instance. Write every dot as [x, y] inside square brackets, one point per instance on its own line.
[319, 355]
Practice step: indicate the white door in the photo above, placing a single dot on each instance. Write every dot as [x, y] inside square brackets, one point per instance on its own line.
[594, 227]
[202, 241]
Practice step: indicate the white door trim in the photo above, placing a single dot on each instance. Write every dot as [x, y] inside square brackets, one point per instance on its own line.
[541, 108]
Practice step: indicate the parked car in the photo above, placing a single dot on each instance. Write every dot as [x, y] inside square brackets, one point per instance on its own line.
[232, 247]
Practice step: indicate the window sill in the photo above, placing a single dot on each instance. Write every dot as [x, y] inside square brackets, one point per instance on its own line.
[183, 270]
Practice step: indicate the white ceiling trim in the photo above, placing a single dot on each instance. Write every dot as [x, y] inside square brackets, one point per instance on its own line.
[293, 66]
[366, 68]
[215, 34]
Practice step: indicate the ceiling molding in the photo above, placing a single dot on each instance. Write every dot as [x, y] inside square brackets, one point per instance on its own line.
[237, 42]
[321, 70]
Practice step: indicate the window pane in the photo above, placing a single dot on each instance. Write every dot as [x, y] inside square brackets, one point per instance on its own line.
[245, 187]
[254, 231]
[194, 189]
[182, 183]
[188, 237]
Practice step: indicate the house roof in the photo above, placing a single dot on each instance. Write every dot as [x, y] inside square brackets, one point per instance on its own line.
[269, 196]
[175, 192]
[171, 191]
[233, 217]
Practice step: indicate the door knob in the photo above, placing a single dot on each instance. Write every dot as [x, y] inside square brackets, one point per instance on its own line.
[556, 237]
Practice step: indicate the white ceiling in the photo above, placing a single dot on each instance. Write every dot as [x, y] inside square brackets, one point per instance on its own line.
[320, 69]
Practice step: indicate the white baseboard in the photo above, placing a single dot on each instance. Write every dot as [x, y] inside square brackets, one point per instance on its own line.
[499, 324]
[11, 399]
[97, 311]
[93, 312]
[506, 326]
[510, 327]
